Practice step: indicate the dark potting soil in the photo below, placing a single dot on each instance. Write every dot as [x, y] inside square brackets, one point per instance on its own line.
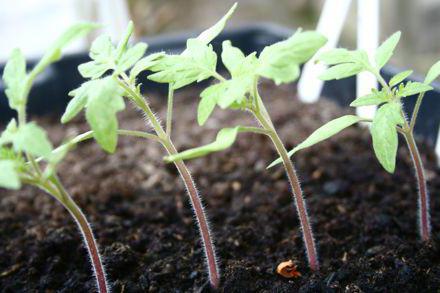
[365, 220]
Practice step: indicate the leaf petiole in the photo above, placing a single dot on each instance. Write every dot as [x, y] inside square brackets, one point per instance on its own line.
[169, 122]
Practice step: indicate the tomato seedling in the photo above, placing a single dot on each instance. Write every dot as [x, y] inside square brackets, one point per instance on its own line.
[390, 118]
[279, 62]
[26, 154]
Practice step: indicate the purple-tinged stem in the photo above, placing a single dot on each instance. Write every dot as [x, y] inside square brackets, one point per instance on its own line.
[196, 202]
[300, 203]
[424, 219]
[202, 221]
[92, 247]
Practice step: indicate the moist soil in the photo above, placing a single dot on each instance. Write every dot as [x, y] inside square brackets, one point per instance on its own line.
[365, 220]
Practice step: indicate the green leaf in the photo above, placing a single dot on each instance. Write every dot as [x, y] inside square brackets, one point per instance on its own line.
[102, 49]
[226, 94]
[280, 61]
[14, 77]
[103, 103]
[131, 56]
[208, 35]
[54, 53]
[399, 77]
[225, 138]
[375, 98]
[433, 73]
[122, 45]
[102, 53]
[32, 139]
[336, 56]
[8, 175]
[145, 64]
[233, 91]
[197, 64]
[209, 98]
[79, 101]
[283, 74]
[232, 57]
[386, 50]
[413, 88]
[341, 71]
[93, 69]
[8, 134]
[327, 130]
[384, 134]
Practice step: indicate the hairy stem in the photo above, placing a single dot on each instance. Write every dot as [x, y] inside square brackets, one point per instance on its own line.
[202, 221]
[423, 196]
[300, 203]
[264, 119]
[57, 190]
[424, 219]
[196, 202]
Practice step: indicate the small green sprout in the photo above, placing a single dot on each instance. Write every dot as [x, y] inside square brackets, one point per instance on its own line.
[26, 154]
[279, 62]
[390, 118]
[112, 77]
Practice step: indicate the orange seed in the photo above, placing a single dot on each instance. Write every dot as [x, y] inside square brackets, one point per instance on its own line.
[287, 269]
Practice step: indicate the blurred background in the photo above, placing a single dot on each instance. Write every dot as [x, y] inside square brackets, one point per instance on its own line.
[32, 24]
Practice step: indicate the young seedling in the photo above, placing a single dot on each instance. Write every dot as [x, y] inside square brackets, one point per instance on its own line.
[390, 117]
[279, 62]
[26, 155]
[103, 96]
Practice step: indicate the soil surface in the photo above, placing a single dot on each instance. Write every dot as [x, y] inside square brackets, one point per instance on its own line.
[365, 220]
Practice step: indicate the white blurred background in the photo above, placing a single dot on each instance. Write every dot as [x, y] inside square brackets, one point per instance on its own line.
[32, 24]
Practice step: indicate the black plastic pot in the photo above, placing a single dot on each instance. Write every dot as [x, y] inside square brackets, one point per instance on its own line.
[49, 94]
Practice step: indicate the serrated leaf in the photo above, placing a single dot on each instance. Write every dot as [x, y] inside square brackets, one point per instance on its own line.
[399, 77]
[102, 53]
[225, 138]
[280, 61]
[102, 49]
[131, 56]
[375, 98]
[413, 88]
[197, 64]
[54, 52]
[433, 73]
[103, 103]
[324, 132]
[341, 71]
[386, 50]
[208, 35]
[384, 134]
[32, 139]
[9, 177]
[145, 64]
[14, 77]
[79, 101]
